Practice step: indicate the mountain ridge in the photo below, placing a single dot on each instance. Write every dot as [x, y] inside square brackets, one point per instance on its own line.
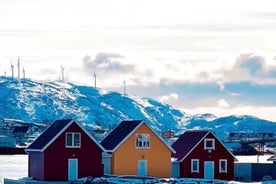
[45, 101]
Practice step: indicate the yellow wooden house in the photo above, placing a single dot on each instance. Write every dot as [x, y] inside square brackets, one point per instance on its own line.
[135, 149]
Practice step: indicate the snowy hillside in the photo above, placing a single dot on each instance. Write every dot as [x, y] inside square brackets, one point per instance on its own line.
[37, 101]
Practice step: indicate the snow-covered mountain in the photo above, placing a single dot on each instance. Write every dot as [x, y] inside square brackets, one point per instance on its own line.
[43, 102]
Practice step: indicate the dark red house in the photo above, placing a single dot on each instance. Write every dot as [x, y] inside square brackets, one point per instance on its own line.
[64, 151]
[201, 155]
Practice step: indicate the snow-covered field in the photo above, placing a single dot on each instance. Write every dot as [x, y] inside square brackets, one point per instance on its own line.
[13, 166]
[16, 166]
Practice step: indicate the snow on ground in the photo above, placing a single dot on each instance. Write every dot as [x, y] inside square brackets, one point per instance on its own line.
[16, 166]
[152, 180]
[146, 180]
[253, 159]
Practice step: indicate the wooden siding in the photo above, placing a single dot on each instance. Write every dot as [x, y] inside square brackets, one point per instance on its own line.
[158, 156]
[36, 165]
[220, 152]
[56, 157]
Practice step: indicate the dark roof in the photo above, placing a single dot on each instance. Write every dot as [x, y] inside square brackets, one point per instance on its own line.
[48, 134]
[118, 134]
[187, 141]
[20, 129]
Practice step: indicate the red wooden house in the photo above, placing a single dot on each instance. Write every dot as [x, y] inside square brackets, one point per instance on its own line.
[201, 155]
[64, 151]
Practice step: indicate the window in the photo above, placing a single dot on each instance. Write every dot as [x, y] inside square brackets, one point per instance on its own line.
[194, 165]
[142, 141]
[73, 140]
[223, 166]
[209, 144]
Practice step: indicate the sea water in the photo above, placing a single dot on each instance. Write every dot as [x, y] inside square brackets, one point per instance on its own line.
[13, 166]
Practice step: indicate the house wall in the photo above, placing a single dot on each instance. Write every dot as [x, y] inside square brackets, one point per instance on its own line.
[175, 169]
[125, 159]
[220, 152]
[106, 162]
[89, 157]
[242, 172]
[249, 172]
[259, 170]
[36, 165]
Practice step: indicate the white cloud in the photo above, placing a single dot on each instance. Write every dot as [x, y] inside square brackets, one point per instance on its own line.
[171, 98]
[263, 112]
[222, 103]
[221, 85]
[235, 94]
[187, 44]
[251, 66]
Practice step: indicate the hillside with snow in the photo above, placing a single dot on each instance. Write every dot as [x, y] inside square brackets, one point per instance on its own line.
[45, 101]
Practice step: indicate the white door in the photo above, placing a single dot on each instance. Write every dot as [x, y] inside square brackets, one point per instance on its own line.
[209, 170]
[142, 168]
[72, 169]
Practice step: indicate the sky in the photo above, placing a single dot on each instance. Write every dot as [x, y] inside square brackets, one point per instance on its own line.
[212, 56]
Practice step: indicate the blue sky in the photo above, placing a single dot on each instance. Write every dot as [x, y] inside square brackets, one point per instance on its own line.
[211, 56]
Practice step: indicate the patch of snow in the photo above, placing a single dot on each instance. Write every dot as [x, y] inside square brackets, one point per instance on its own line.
[107, 106]
[253, 158]
[236, 123]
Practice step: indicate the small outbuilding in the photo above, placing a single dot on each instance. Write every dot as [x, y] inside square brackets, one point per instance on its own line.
[64, 151]
[200, 154]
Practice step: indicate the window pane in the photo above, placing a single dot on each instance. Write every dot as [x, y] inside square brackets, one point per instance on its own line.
[209, 144]
[223, 166]
[77, 139]
[142, 141]
[69, 139]
[194, 165]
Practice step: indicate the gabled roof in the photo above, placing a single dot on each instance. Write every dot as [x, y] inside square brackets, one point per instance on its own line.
[52, 133]
[122, 132]
[186, 142]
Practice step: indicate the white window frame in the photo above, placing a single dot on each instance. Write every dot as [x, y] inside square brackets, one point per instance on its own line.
[195, 170]
[206, 147]
[145, 141]
[223, 170]
[73, 145]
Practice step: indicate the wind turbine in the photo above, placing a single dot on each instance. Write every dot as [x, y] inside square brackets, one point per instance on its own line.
[12, 70]
[124, 87]
[95, 79]
[62, 73]
[23, 72]
[18, 66]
